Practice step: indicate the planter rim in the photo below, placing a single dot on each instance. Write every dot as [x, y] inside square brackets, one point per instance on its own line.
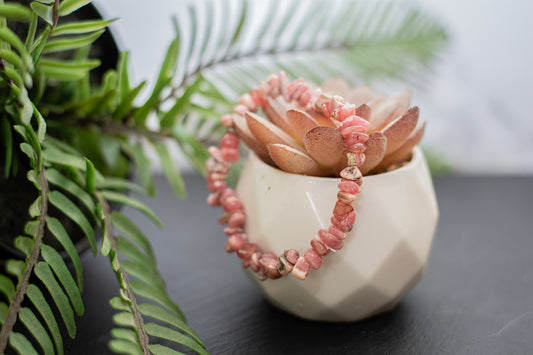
[416, 157]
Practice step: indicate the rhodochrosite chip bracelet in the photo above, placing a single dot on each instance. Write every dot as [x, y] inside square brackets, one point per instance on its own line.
[266, 263]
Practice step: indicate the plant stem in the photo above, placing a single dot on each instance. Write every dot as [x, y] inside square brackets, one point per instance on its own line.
[32, 259]
[137, 316]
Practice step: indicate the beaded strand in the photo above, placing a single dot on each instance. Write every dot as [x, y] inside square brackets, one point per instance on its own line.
[267, 264]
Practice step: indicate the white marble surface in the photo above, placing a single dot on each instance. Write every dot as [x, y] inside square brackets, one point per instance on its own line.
[476, 106]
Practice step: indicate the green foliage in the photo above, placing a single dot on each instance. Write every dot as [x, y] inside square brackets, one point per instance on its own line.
[77, 138]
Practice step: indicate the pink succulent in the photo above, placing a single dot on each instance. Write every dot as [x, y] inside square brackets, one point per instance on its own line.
[297, 134]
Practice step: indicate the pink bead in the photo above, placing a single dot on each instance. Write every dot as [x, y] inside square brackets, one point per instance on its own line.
[261, 274]
[326, 108]
[246, 263]
[355, 137]
[217, 154]
[345, 112]
[345, 132]
[237, 219]
[358, 149]
[270, 263]
[246, 100]
[236, 242]
[223, 220]
[273, 85]
[232, 203]
[254, 260]
[215, 177]
[355, 159]
[305, 98]
[319, 246]
[337, 233]
[293, 87]
[229, 141]
[284, 85]
[345, 222]
[299, 91]
[213, 166]
[216, 185]
[256, 97]
[349, 186]
[329, 239]
[359, 123]
[341, 209]
[235, 230]
[247, 250]
[227, 120]
[292, 256]
[284, 267]
[301, 268]
[313, 258]
[240, 110]
[226, 193]
[345, 197]
[230, 154]
[213, 199]
[337, 223]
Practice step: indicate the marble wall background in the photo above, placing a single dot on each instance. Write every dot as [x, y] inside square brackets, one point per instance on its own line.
[477, 105]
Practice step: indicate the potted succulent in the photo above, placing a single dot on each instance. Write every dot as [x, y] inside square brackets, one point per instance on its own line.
[302, 187]
[73, 131]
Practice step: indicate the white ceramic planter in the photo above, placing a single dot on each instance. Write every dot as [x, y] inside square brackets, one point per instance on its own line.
[383, 256]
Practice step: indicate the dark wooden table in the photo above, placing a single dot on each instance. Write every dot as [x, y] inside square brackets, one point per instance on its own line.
[476, 296]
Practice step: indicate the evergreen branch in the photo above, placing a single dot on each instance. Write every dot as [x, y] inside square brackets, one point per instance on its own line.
[31, 261]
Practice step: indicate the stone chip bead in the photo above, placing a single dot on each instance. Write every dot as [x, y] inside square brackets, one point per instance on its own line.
[236, 242]
[329, 239]
[341, 209]
[301, 268]
[247, 250]
[292, 255]
[232, 203]
[319, 246]
[237, 219]
[254, 261]
[349, 186]
[313, 258]
[284, 267]
[346, 197]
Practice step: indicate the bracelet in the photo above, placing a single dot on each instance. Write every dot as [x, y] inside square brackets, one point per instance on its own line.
[352, 126]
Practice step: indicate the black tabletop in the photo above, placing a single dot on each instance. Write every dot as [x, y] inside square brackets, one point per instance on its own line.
[476, 296]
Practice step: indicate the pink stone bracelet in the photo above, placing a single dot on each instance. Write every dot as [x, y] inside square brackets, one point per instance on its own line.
[268, 264]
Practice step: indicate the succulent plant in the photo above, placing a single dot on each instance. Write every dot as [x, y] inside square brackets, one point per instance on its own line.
[296, 134]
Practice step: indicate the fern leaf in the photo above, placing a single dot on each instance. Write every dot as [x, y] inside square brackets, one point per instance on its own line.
[143, 165]
[120, 184]
[169, 168]
[54, 260]
[35, 327]
[15, 267]
[159, 331]
[3, 312]
[59, 232]
[36, 297]
[7, 287]
[59, 180]
[158, 349]
[143, 274]
[126, 200]
[60, 45]
[158, 313]
[20, 343]
[123, 223]
[75, 214]
[122, 346]
[126, 248]
[44, 11]
[24, 244]
[156, 296]
[80, 27]
[44, 273]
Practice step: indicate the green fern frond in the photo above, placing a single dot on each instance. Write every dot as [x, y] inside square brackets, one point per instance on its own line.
[360, 41]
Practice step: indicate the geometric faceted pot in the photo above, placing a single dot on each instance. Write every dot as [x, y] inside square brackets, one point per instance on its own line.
[383, 255]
